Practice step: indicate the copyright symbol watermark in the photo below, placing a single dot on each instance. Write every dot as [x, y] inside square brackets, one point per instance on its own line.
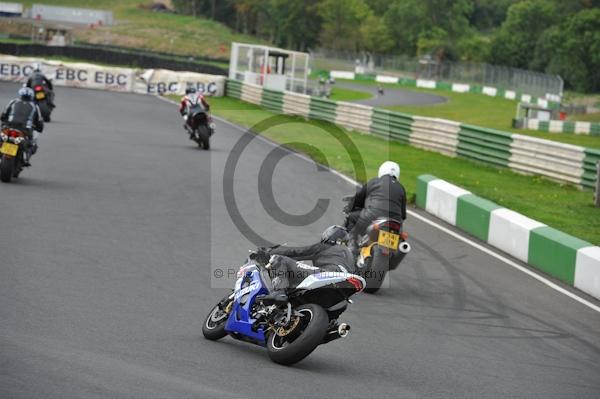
[269, 196]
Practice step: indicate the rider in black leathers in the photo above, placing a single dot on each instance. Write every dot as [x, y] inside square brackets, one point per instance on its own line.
[330, 254]
[382, 196]
[23, 114]
[37, 78]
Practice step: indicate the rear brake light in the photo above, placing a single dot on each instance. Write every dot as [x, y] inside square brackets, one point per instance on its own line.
[392, 225]
[14, 133]
[358, 286]
[38, 88]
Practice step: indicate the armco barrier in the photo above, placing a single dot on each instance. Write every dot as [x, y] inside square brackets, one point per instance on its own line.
[117, 56]
[561, 162]
[569, 259]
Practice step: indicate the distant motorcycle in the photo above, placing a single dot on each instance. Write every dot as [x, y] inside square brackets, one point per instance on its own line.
[43, 97]
[289, 332]
[12, 151]
[199, 126]
[380, 249]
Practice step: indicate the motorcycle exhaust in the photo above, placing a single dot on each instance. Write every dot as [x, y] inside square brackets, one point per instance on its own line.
[343, 330]
[404, 247]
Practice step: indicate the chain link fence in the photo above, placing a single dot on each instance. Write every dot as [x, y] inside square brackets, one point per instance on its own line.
[534, 83]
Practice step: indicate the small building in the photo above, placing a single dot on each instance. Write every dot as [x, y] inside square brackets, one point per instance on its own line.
[270, 67]
[11, 9]
[51, 34]
[526, 111]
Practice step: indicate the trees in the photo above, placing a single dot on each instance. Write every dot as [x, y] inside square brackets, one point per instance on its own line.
[341, 23]
[572, 50]
[376, 37]
[515, 43]
[555, 36]
[420, 26]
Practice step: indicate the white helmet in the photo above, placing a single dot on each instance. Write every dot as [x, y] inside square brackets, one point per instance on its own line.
[389, 168]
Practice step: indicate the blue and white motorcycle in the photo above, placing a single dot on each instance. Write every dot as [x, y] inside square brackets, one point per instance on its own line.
[289, 331]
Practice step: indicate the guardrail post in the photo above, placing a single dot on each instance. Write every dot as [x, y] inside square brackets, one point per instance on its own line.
[598, 185]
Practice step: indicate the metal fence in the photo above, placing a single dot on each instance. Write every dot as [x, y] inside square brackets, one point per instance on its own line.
[115, 56]
[534, 83]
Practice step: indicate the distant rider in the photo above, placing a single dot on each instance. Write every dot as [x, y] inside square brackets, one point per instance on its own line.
[330, 255]
[37, 78]
[24, 115]
[382, 196]
[191, 98]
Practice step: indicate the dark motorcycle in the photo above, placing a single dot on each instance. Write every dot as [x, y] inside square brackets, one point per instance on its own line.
[43, 98]
[198, 125]
[379, 250]
[289, 331]
[12, 151]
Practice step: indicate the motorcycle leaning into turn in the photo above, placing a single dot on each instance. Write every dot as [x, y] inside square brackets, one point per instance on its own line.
[289, 331]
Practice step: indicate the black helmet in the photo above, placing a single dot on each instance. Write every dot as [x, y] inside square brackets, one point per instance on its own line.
[335, 235]
[190, 90]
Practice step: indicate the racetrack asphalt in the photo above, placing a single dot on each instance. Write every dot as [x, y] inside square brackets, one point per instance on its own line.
[110, 243]
[392, 96]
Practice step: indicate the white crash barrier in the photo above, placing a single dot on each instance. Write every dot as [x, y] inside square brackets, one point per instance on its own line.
[386, 79]
[563, 162]
[442, 199]
[587, 270]
[460, 87]
[164, 81]
[252, 93]
[426, 84]
[509, 231]
[296, 104]
[354, 116]
[490, 91]
[342, 75]
[91, 76]
[438, 134]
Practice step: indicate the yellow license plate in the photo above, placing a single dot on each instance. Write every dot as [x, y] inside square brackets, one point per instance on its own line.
[388, 240]
[9, 149]
[40, 95]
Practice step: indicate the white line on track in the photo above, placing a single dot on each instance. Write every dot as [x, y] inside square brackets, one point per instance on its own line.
[430, 222]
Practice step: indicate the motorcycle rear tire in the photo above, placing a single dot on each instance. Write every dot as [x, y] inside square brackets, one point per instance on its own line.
[45, 110]
[376, 271]
[204, 137]
[308, 340]
[7, 167]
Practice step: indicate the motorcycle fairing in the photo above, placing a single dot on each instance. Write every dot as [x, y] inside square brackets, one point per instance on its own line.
[319, 280]
[240, 320]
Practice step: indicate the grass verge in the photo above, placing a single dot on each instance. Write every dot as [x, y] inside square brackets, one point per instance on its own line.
[342, 94]
[560, 206]
[481, 110]
[144, 29]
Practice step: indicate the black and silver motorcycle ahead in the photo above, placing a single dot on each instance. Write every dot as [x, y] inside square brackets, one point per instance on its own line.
[43, 98]
[199, 126]
[13, 152]
[379, 250]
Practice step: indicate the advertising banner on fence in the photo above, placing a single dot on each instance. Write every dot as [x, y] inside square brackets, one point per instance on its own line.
[82, 75]
[162, 81]
[90, 76]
